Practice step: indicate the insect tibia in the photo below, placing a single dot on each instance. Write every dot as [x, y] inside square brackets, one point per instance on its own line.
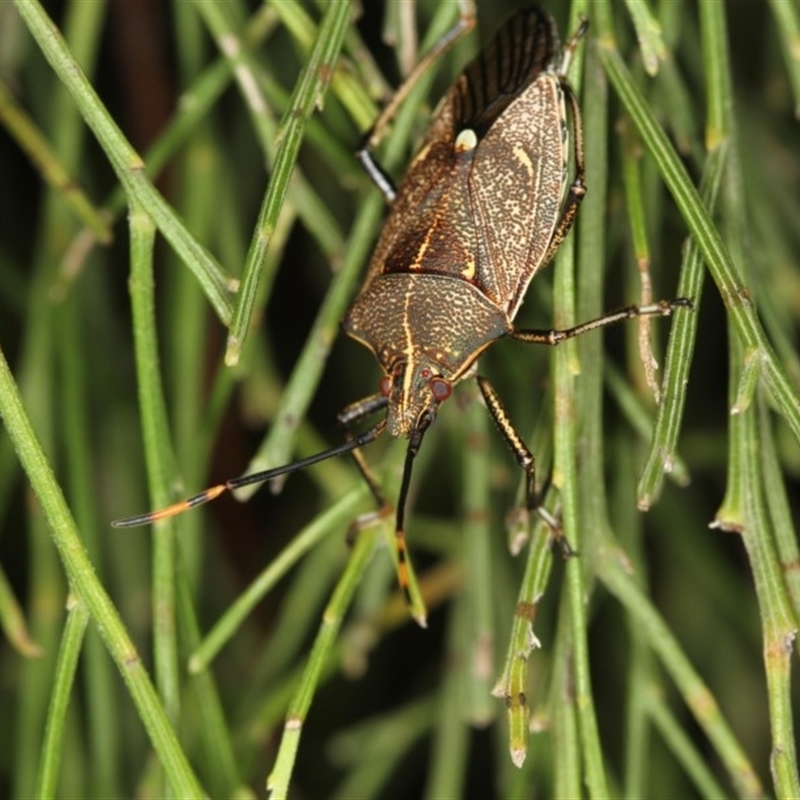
[360, 409]
[681, 302]
[347, 417]
[466, 22]
[375, 171]
[571, 46]
[663, 308]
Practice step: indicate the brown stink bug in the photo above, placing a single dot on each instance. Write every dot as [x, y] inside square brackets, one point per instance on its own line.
[482, 209]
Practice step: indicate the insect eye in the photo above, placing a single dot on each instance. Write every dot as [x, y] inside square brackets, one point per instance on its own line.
[385, 385]
[441, 389]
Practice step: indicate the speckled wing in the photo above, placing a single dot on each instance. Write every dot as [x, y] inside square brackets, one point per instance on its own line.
[516, 189]
[429, 226]
[437, 221]
[519, 174]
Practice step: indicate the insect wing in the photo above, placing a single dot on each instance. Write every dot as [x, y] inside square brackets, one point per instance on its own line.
[432, 224]
[512, 97]
[429, 227]
[516, 190]
[521, 50]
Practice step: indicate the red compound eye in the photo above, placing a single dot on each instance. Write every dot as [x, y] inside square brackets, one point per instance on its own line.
[441, 389]
[385, 385]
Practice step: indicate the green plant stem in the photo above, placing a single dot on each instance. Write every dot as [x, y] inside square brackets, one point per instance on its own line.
[100, 686]
[779, 623]
[81, 573]
[578, 492]
[224, 778]
[639, 416]
[478, 593]
[258, 90]
[786, 539]
[568, 767]
[661, 457]
[160, 462]
[787, 17]
[70, 650]
[637, 216]
[695, 693]
[513, 683]
[127, 163]
[347, 89]
[280, 777]
[450, 731]
[648, 32]
[308, 92]
[333, 519]
[30, 138]
[733, 292]
[684, 749]
[744, 501]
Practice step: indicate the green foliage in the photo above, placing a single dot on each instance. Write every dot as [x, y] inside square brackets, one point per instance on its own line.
[182, 226]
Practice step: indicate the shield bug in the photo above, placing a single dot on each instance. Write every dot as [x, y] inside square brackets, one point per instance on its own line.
[483, 207]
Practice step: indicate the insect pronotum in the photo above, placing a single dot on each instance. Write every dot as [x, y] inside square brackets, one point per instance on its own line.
[483, 206]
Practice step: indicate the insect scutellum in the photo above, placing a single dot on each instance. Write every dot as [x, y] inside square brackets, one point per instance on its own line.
[483, 206]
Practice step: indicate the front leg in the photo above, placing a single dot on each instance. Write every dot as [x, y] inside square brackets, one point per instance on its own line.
[346, 417]
[466, 22]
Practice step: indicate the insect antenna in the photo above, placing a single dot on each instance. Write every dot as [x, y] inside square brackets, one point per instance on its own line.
[213, 492]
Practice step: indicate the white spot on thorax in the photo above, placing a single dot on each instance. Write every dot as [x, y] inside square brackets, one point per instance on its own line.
[466, 140]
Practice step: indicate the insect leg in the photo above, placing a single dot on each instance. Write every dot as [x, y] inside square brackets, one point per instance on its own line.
[525, 459]
[465, 23]
[346, 417]
[571, 46]
[518, 447]
[404, 566]
[552, 337]
[375, 172]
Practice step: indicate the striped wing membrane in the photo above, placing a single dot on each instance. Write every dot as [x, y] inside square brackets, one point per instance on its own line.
[519, 52]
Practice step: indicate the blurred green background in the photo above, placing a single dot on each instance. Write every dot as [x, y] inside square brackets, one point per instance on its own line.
[667, 647]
